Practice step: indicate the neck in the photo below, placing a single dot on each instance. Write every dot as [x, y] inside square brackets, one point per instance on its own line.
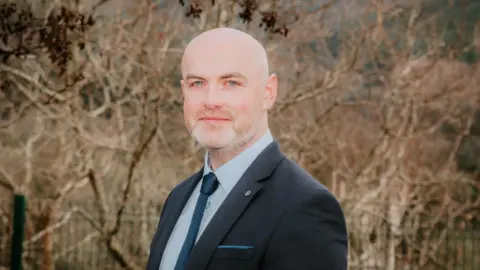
[219, 157]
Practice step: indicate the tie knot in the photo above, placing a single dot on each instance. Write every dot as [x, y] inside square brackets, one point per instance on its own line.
[209, 184]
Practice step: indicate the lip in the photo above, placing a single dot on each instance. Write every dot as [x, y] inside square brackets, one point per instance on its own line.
[214, 119]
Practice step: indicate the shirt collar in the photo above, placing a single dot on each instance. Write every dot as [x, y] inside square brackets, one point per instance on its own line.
[229, 173]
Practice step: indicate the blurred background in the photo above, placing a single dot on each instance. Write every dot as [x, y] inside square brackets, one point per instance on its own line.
[379, 100]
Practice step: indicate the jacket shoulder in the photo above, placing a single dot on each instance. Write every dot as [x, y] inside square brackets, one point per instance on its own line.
[293, 176]
[292, 186]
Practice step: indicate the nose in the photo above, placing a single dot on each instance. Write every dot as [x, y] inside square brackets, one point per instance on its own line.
[213, 97]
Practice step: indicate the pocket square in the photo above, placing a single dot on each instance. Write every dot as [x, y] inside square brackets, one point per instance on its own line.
[234, 252]
[235, 246]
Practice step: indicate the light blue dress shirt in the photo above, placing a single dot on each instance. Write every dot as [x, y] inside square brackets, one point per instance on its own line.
[228, 175]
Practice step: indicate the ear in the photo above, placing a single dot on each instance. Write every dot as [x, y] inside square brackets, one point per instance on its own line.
[270, 93]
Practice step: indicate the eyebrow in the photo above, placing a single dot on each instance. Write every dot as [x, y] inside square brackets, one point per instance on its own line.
[224, 76]
[192, 76]
[233, 75]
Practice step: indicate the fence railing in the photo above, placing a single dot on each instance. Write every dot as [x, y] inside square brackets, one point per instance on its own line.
[72, 242]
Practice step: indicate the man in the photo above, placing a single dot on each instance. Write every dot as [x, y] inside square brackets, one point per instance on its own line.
[249, 207]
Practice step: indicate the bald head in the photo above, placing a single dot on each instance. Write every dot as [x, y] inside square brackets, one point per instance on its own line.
[232, 43]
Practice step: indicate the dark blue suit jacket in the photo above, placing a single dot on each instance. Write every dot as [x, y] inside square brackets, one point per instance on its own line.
[289, 221]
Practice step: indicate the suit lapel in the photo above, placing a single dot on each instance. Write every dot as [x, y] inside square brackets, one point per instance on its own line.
[247, 188]
[170, 218]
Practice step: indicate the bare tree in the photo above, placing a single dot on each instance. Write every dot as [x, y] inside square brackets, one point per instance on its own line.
[374, 134]
[91, 113]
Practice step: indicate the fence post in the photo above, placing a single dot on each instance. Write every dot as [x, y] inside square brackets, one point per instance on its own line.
[18, 232]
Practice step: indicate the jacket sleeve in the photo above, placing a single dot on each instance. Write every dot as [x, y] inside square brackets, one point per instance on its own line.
[313, 236]
[160, 220]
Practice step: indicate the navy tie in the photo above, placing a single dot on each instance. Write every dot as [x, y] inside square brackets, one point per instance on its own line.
[209, 185]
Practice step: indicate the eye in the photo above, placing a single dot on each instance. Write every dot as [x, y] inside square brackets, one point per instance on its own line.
[233, 83]
[196, 84]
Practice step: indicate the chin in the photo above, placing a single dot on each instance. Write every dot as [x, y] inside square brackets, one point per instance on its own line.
[214, 140]
[215, 143]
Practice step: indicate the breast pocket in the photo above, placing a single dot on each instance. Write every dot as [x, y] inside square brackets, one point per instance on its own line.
[233, 252]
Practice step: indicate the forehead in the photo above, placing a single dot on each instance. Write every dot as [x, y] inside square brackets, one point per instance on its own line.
[215, 61]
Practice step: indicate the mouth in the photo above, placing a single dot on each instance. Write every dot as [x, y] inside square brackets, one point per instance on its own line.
[214, 119]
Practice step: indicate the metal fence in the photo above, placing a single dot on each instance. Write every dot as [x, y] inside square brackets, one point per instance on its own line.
[75, 243]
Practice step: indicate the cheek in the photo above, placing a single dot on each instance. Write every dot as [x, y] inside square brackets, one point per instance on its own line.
[244, 105]
[190, 109]
[240, 109]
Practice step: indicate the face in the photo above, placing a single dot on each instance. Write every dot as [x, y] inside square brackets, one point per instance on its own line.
[225, 99]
